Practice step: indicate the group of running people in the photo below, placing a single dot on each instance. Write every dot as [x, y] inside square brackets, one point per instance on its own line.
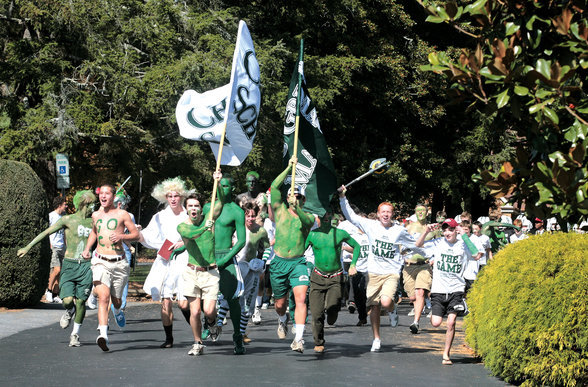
[211, 255]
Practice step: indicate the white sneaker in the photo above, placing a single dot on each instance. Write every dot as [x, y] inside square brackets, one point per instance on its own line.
[91, 303]
[66, 318]
[57, 300]
[265, 305]
[297, 345]
[197, 349]
[411, 313]
[74, 340]
[376, 345]
[102, 342]
[282, 329]
[256, 318]
[48, 296]
[393, 318]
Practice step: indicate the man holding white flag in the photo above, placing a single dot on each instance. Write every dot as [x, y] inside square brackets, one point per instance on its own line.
[202, 117]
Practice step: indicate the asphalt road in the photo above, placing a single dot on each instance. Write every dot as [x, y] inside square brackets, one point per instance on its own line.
[34, 352]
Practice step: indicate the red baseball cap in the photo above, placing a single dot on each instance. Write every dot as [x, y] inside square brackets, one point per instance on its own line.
[449, 222]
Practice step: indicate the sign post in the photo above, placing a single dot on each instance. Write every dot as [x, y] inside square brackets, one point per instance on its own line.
[62, 169]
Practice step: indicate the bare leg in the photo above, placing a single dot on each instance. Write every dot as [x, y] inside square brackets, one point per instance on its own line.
[449, 335]
[301, 309]
[419, 303]
[375, 320]
[103, 293]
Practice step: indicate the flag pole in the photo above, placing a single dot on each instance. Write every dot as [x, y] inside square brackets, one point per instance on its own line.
[218, 164]
[298, 96]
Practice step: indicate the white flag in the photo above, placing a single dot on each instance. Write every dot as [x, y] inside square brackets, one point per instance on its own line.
[201, 117]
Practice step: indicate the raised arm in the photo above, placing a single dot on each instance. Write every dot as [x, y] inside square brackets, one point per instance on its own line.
[275, 194]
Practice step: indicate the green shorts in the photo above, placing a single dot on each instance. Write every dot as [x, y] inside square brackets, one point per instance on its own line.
[75, 278]
[286, 273]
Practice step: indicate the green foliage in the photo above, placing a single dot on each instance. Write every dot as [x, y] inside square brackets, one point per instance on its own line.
[99, 81]
[23, 214]
[525, 63]
[528, 313]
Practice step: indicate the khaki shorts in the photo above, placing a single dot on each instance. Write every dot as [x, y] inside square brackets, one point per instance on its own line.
[417, 277]
[57, 254]
[201, 284]
[381, 285]
[114, 275]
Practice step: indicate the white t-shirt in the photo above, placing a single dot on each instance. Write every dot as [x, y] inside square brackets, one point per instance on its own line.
[515, 238]
[270, 227]
[57, 239]
[482, 243]
[449, 262]
[386, 243]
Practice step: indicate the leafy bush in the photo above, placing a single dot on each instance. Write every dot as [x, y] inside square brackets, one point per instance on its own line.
[529, 317]
[23, 214]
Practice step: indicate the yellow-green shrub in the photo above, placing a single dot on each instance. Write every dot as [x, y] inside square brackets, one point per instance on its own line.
[528, 316]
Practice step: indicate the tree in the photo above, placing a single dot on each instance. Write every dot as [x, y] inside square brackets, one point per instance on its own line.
[523, 63]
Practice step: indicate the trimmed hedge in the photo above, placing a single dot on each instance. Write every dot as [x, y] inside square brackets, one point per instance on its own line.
[528, 311]
[23, 214]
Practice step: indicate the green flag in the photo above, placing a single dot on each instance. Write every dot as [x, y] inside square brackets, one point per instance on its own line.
[314, 171]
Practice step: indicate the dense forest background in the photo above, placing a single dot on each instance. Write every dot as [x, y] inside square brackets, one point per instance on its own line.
[99, 81]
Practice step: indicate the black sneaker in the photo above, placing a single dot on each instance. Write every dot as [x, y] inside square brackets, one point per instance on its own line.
[414, 328]
[351, 307]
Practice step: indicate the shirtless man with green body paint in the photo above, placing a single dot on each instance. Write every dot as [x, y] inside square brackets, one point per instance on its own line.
[326, 280]
[288, 268]
[230, 221]
[76, 273]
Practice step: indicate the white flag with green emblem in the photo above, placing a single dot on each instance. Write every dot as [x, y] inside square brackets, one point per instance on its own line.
[202, 116]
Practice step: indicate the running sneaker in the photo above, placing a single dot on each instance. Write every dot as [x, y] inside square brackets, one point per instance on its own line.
[57, 300]
[119, 317]
[197, 349]
[48, 296]
[256, 318]
[102, 342]
[92, 301]
[361, 323]
[393, 318]
[215, 332]
[74, 340]
[265, 305]
[411, 313]
[297, 345]
[282, 329]
[239, 348]
[376, 345]
[414, 328]
[351, 307]
[66, 318]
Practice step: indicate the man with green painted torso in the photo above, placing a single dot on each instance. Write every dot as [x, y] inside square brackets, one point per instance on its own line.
[76, 272]
[230, 221]
[326, 279]
[288, 269]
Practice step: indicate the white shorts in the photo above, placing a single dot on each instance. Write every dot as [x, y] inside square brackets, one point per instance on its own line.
[113, 274]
